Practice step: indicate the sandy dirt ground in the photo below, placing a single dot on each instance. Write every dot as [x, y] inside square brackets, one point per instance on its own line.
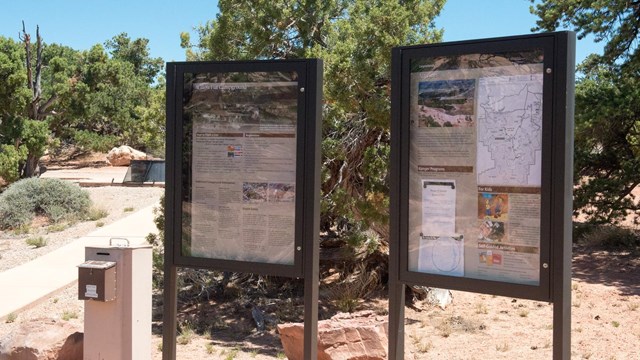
[605, 321]
[605, 317]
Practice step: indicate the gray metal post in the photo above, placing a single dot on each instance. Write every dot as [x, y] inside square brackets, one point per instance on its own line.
[312, 208]
[170, 313]
[564, 80]
[170, 282]
[396, 320]
[311, 310]
[396, 288]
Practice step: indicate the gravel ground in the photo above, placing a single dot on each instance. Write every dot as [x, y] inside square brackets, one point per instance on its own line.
[63, 304]
[117, 201]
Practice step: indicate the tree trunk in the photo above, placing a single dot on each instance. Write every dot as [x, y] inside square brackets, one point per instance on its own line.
[31, 167]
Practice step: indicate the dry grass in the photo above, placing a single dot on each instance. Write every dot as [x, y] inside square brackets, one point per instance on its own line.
[420, 344]
[481, 308]
[186, 335]
[96, 213]
[68, 315]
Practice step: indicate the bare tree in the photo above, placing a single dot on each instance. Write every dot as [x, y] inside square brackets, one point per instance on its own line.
[38, 109]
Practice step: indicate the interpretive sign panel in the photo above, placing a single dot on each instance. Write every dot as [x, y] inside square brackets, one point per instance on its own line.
[243, 165]
[481, 146]
[475, 165]
[243, 176]
[244, 136]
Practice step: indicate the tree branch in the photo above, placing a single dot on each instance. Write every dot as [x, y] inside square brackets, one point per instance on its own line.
[47, 104]
[51, 113]
[26, 39]
[37, 90]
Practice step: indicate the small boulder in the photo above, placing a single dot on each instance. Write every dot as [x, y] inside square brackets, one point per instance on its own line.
[43, 339]
[439, 297]
[358, 336]
[122, 156]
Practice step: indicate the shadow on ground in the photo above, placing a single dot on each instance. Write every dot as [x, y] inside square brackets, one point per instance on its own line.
[617, 268]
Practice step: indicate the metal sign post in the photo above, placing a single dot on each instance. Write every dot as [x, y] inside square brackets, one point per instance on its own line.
[243, 176]
[482, 150]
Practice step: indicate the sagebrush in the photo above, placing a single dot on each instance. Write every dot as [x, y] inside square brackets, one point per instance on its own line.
[54, 199]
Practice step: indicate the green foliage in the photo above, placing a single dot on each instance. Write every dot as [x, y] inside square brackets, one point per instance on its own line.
[10, 159]
[150, 128]
[114, 99]
[356, 51]
[34, 136]
[135, 52]
[93, 98]
[607, 145]
[14, 95]
[157, 242]
[22, 229]
[159, 217]
[27, 68]
[607, 118]
[36, 242]
[68, 315]
[11, 317]
[615, 21]
[57, 227]
[25, 107]
[91, 141]
[354, 39]
[55, 199]
[106, 97]
[29, 139]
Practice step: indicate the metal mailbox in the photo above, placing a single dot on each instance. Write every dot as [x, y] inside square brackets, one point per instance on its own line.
[97, 280]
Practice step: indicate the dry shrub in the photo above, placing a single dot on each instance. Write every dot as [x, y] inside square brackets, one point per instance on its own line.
[356, 285]
[609, 236]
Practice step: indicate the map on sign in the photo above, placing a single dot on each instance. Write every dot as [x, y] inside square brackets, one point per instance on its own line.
[509, 125]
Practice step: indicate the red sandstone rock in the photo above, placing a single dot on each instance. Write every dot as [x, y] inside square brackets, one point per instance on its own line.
[358, 336]
[43, 339]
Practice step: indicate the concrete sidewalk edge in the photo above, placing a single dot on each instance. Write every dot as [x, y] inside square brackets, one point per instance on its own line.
[27, 285]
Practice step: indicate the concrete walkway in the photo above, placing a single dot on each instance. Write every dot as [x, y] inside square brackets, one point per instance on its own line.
[29, 283]
[105, 175]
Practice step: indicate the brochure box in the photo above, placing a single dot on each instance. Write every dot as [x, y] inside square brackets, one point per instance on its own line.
[97, 280]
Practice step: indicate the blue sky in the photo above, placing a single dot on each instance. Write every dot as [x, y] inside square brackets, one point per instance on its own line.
[83, 23]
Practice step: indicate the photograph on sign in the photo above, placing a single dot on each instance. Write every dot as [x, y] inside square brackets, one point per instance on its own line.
[475, 158]
[240, 166]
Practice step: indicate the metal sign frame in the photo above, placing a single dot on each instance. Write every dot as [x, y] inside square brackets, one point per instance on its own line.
[556, 182]
[307, 190]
